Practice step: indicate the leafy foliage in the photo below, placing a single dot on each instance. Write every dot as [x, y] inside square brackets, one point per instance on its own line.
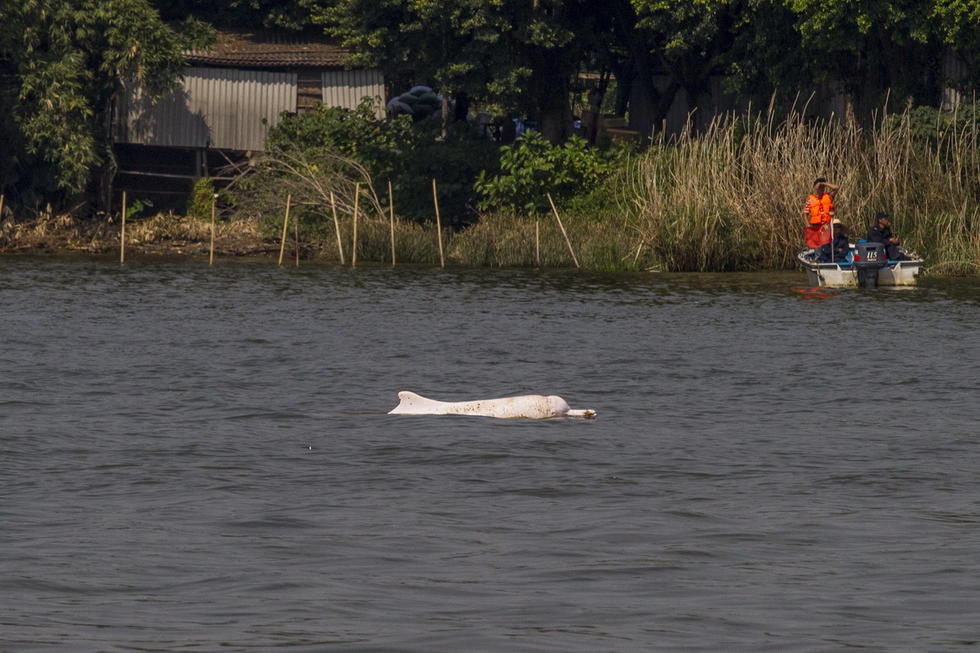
[202, 196]
[67, 58]
[378, 145]
[518, 54]
[533, 167]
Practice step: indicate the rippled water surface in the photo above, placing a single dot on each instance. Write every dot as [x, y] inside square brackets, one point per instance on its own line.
[199, 459]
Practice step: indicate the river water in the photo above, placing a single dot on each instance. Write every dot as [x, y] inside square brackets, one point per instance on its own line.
[199, 459]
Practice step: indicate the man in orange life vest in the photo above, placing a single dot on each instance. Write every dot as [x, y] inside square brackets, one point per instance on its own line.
[818, 213]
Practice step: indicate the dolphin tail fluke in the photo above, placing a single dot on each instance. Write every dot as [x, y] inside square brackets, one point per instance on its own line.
[410, 403]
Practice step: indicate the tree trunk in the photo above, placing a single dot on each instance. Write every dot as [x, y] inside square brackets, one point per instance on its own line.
[649, 107]
[625, 75]
[643, 101]
[550, 90]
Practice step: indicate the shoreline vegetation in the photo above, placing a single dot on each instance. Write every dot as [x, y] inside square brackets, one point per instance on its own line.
[726, 199]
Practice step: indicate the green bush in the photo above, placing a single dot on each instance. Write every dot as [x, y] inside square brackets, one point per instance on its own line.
[928, 123]
[202, 195]
[378, 145]
[533, 167]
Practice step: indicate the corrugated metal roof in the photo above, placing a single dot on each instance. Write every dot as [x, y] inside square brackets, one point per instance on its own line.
[216, 107]
[258, 49]
[346, 88]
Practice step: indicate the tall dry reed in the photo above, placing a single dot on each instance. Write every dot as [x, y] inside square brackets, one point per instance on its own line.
[731, 198]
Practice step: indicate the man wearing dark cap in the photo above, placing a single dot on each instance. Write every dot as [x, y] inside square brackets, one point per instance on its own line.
[880, 233]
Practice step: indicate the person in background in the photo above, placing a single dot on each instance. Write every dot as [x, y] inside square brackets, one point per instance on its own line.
[836, 250]
[818, 212]
[880, 233]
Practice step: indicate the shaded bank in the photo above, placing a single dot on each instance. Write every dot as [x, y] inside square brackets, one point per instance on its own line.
[497, 241]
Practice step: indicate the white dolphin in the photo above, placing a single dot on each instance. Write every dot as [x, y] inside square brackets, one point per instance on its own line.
[527, 406]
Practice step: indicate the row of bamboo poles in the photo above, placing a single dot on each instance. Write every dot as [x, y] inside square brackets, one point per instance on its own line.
[336, 224]
[336, 221]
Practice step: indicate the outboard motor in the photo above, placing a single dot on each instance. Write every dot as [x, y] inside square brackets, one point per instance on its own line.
[868, 260]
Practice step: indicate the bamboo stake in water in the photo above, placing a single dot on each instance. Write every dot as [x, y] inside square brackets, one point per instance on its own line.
[336, 226]
[537, 242]
[122, 232]
[435, 200]
[391, 208]
[296, 234]
[285, 224]
[214, 212]
[353, 249]
[563, 232]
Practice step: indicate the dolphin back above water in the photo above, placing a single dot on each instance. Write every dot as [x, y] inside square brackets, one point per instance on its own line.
[526, 406]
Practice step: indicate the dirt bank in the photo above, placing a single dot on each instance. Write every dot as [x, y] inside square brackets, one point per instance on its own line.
[160, 234]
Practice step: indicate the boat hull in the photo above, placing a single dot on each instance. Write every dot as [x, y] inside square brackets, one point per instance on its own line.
[837, 275]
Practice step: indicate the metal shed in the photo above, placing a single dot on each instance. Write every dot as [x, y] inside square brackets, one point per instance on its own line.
[232, 94]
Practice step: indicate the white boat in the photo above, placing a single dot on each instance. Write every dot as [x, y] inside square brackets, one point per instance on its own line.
[842, 274]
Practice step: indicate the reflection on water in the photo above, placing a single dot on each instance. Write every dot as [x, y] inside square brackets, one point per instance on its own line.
[198, 458]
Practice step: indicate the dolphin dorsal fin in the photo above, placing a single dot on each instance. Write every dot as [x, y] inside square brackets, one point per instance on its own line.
[409, 403]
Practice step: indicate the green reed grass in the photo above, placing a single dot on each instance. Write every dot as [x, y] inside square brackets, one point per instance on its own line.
[731, 198]
[497, 240]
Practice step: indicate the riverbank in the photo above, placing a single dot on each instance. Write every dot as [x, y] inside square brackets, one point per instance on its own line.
[160, 234]
[497, 241]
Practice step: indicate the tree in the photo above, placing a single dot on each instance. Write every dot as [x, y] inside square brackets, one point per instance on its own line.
[873, 47]
[767, 55]
[521, 55]
[959, 28]
[657, 48]
[63, 61]
[289, 15]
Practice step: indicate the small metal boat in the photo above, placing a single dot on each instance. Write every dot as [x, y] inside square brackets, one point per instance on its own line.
[865, 265]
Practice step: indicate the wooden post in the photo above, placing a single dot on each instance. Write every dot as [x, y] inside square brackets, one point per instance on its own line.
[336, 226]
[214, 213]
[537, 242]
[285, 223]
[435, 200]
[563, 232]
[353, 249]
[391, 209]
[1, 206]
[296, 234]
[122, 232]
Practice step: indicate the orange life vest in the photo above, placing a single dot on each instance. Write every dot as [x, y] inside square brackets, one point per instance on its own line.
[813, 208]
[826, 208]
[821, 209]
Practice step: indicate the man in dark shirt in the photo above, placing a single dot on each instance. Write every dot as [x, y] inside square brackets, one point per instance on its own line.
[836, 250]
[880, 233]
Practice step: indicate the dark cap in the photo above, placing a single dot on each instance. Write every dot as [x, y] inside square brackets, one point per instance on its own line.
[881, 214]
[819, 180]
